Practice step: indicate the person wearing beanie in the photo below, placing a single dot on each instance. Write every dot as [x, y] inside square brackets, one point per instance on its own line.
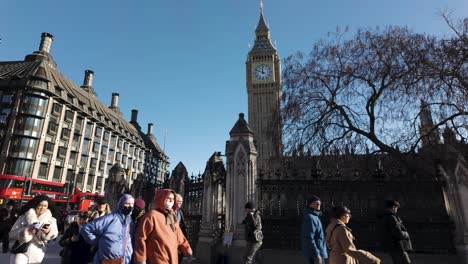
[253, 231]
[100, 208]
[312, 235]
[394, 239]
[138, 210]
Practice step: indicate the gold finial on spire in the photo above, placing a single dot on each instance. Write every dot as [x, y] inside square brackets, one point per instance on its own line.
[261, 6]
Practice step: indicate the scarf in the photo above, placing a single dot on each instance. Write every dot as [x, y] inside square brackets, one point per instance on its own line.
[171, 218]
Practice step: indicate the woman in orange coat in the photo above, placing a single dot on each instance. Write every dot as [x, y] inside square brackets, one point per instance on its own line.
[158, 237]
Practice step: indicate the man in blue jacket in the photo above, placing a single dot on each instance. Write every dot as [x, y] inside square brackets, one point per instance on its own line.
[312, 236]
[112, 233]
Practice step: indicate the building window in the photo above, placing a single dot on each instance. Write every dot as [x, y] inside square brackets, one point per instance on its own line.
[66, 133]
[20, 167]
[98, 131]
[52, 129]
[70, 98]
[38, 83]
[7, 99]
[43, 171]
[89, 128]
[79, 180]
[33, 106]
[78, 125]
[24, 147]
[83, 161]
[72, 158]
[119, 143]
[48, 147]
[62, 153]
[58, 91]
[85, 147]
[57, 176]
[106, 136]
[28, 126]
[112, 142]
[104, 150]
[56, 109]
[4, 115]
[96, 147]
[69, 116]
[90, 183]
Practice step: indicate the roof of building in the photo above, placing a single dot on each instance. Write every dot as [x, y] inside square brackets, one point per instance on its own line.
[241, 126]
[38, 68]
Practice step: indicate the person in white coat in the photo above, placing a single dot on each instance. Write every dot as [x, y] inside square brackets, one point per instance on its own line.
[36, 223]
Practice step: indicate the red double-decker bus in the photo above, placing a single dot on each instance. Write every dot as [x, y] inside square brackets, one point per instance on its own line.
[12, 187]
[83, 200]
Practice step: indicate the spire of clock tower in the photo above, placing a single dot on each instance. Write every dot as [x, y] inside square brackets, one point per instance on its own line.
[263, 68]
[262, 34]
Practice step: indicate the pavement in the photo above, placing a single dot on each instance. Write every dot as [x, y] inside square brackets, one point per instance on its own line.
[51, 257]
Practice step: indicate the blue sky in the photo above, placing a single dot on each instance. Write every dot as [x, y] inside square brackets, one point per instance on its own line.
[181, 63]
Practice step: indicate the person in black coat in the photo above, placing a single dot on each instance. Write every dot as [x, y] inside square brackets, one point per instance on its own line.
[393, 236]
[8, 217]
[75, 249]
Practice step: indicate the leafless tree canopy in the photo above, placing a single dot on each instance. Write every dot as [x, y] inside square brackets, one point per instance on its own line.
[372, 89]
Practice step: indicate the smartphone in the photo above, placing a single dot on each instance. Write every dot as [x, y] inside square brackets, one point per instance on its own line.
[45, 226]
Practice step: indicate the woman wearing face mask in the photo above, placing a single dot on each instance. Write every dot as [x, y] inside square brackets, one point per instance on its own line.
[158, 236]
[112, 233]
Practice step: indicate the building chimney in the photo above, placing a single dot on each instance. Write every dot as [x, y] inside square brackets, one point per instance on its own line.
[115, 100]
[150, 128]
[46, 42]
[88, 78]
[134, 116]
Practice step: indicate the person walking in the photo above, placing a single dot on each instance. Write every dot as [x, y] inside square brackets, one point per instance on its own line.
[8, 217]
[138, 210]
[112, 234]
[158, 236]
[180, 213]
[253, 231]
[312, 236]
[35, 225]
[100, 209]
[75, 249]
[393, 236]
[340, 241]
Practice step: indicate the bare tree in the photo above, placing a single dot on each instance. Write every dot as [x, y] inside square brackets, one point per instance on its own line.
[374, 89]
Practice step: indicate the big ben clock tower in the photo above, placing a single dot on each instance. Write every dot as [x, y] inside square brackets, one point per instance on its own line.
[263, 73]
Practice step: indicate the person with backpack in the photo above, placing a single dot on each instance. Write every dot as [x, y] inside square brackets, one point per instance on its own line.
[340, 241]
[253, 231]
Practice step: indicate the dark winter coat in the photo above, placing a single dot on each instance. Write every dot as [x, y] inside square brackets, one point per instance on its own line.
[252, 222]
[74, 252]
[312, 236]
[393, 235]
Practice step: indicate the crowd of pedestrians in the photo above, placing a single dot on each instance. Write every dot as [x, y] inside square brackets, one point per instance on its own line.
[132, 235]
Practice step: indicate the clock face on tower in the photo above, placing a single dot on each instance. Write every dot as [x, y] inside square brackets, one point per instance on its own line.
[263, 72]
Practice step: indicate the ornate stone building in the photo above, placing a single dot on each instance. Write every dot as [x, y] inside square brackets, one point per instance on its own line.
[54, 129]
[263, 74]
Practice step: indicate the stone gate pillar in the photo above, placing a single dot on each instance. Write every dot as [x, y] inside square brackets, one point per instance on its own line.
[214, 180]
[452, 170]
[241, 163]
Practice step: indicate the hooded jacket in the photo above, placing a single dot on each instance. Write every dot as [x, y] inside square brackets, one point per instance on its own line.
[110, 233]
[156, 241]
[312, 237]
[392, 232]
